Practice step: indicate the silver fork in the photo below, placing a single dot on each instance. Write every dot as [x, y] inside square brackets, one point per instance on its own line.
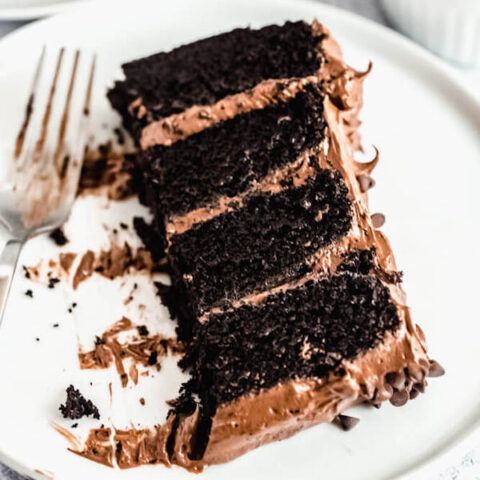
[39, 189]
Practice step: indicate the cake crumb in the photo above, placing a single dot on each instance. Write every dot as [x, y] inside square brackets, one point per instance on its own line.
[77, 406]
[142, 330]
[142, 401]
[29, 293]
[52, 282]
[58, 236]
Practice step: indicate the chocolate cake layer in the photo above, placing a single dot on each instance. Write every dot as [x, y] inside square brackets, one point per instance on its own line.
[206, 71]
[227, 159]
[267, 241]
[299, 333]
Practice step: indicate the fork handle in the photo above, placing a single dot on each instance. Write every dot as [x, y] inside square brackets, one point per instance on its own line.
[8, 263]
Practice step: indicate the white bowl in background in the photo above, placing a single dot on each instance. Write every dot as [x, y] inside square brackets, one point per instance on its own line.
[450, 28]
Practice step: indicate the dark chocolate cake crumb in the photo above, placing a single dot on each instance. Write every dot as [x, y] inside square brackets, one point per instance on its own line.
[142, 330]
[37, 339]
[152, 359]
[345, 422]
[149, 236]
[26, 272]
[77, 406]
[52, 282]
[29, 293]
[75, 425]
[120, 136]
[58, 236]
[123, 226]
[55, 325]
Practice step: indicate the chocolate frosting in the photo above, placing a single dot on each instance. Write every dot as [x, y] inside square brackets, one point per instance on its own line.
[140, 350]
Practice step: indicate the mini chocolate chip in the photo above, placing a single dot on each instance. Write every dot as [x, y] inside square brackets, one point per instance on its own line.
[420, 387]
[414, 394]
[345, 422]
[378, 219]
[416, 373]
[399, 398]
[395, 379]
[366, 182]
[436, 370]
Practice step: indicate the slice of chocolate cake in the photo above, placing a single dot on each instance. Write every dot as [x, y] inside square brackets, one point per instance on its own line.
[287, 295]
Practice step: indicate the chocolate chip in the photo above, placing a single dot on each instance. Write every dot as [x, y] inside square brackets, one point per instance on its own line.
[416, 373]
[396, 379]
[436, 370]
[399, 398]
[419, 387]
[366, 182]
[345, 422]
[29, 293]
[414, 394]
[378, 219]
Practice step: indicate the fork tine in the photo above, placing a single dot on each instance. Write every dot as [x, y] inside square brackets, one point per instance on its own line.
[57, 158]
[75, 161]
[48, 110]
[29, 109]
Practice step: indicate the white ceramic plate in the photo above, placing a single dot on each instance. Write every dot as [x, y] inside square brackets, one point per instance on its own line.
[29, 9]
[427, 129]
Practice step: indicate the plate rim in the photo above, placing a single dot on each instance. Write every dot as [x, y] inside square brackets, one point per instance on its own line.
[32, 13]
[378, 30]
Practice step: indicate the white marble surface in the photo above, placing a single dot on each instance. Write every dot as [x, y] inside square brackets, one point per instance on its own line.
[463, 466]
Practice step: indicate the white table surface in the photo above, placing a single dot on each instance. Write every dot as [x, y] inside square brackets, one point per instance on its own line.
[465, 466]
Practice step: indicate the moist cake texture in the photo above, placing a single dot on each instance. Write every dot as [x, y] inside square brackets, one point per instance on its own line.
[286, 293]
